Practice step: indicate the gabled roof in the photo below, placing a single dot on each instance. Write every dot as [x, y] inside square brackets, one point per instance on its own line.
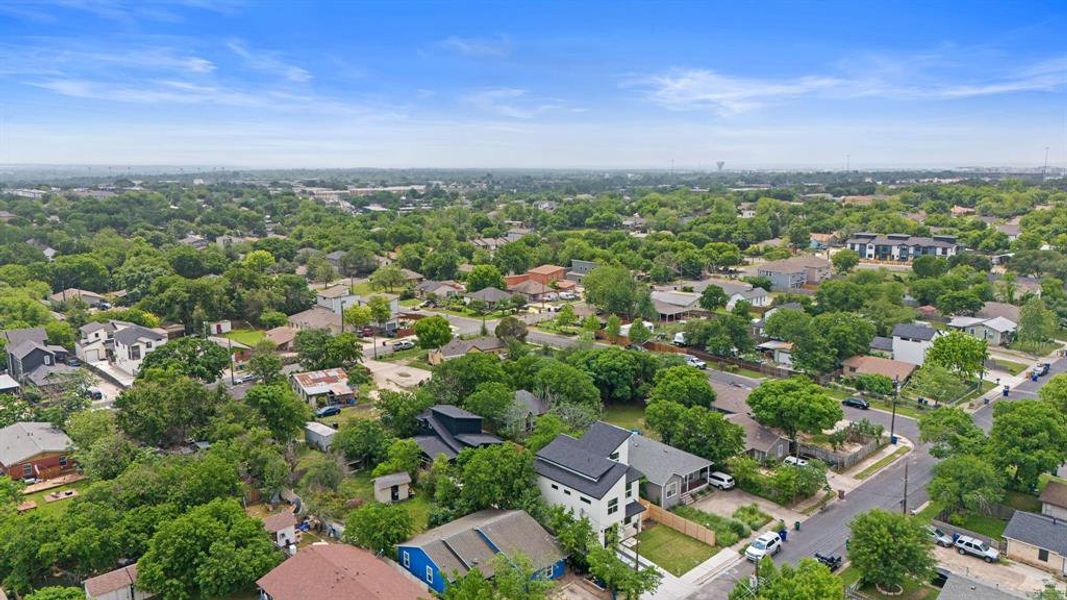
[1000, 309]
[388, 481]
[795, 264]
[335, 291]
[43, 375]
[489, 294]
[683, 299]
[112, 581]
[882, 344]
[470, 542]
[546, 270]
[339, 572]
[21, 441]
[604, 438]
[1055, 493]
[530, 287]
[876, 365]
[998, 324]
[279, 521]
[132, 334]
[460, 347]
[659, 462]
[914, 332]
[1038, 530]
[31, 334]
[583, 464]
[530, 402]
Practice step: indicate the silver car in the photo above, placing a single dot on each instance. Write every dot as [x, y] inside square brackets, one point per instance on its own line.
[969, 545]
[939, 537]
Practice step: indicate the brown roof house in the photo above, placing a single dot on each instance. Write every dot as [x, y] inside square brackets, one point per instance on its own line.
[338, 572]
[1054, 500]
[326, 387]
[282, 528]
[458, 347]
[876, 365]
[120, 584]
[795, 272]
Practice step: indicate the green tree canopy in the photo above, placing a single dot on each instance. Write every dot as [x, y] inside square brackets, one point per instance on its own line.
[378, 527]
[682, 384]
[433, 332]
[793, 405]
[890, 549]
[192, 356]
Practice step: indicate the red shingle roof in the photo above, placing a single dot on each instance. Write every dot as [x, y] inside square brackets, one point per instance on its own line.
[339, 572]
[279, 521]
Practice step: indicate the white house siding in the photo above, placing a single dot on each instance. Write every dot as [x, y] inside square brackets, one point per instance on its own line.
[596, 510]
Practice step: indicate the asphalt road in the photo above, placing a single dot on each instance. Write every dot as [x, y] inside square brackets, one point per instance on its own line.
[827, 531]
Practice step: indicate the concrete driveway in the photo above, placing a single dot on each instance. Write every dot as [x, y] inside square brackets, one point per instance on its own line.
[1006, 574]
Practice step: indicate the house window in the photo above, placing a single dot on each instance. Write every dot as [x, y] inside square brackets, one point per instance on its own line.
[429, 574]
[613, 506]
[555, 487]
[1042, 555]
[672, 489]
[407, 559]
[27, 470]
[629, 492]
[148, 345]
[614, 456]
[567, 492]
[62, 461]
[135, 353]
[584, 499]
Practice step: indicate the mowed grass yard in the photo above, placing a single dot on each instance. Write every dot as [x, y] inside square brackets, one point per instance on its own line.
[675, 552]
[627, 416]
[54, 507]
[248, 337]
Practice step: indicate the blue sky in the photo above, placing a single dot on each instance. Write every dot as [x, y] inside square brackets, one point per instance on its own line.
[522, 84]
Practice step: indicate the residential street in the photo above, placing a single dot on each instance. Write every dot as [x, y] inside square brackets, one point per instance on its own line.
[827, 531]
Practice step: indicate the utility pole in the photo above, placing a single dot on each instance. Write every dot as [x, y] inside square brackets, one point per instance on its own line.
[904, 503]
[233, 381]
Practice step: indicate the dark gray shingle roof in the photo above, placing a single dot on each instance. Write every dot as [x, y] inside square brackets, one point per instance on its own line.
[130, 335]
[962, 588]
[603, 438]
[659, 462]
[1038, 530]
[915, 332]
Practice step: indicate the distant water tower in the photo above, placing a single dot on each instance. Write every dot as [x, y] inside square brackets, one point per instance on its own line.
[720, 164]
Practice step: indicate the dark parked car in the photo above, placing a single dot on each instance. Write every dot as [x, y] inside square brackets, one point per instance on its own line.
[830, 560]
[328, 411]
[1042, 369]
[855, 402]
[72, 361]
[94, 394]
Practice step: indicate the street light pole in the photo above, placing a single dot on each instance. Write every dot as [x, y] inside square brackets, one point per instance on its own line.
[342, 316]
[893, 419]
[905, 501]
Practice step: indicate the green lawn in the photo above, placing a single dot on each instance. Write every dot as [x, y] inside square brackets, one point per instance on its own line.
[1012, 367]
[1021, 501]
[248, 337]
[882, 463]
[627, 416]
[418, 354]
[985, 525]
[359, 411]
[53, 507]
[1035, 349]
[675, 552]
[986, 386]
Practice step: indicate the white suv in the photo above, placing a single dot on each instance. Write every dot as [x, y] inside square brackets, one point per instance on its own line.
[767, 544]
[795, 461]
[969, 545]
[721, 480]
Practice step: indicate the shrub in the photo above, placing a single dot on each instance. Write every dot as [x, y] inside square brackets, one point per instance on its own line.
[727, 531]
[752, 516]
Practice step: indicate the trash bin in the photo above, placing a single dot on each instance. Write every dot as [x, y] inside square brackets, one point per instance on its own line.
[840, 494]
[1005, 391]
[796, 525]
[893, 440]
[784, 534]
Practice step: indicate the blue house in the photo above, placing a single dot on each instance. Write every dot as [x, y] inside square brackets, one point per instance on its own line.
[441, 554]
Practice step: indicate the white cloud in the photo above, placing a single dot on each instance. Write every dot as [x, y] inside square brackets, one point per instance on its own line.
[704, 89]
[511, 102]
[268, 62]
[494, 47]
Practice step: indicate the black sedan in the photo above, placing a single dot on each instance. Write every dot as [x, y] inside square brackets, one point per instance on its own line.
[855, 402]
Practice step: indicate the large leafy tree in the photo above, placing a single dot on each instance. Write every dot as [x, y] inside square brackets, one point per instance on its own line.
[789, 324]
[809, 580]
[620, 578]
[713, 297]
[612, 289]
[511, 328]
[284, 412]
[192, 356]
[560, 383]
[966, 483]
[379, 527]
[399, 411]
[484, 276]
[58, 593]
[317, 349]
[951, 430]
[682, 384]
[890, 549]
[1055, 392]
[937, 383]
[794, 405]
[362, 440]
[456, 379]
[696, 429]
[490, 400]
[500, 475]
[959, 352]
[433, 332]
[830, 339]
[213, 550]
[166, 410]
[1028, 438]
[1036, 322]
[845, 260]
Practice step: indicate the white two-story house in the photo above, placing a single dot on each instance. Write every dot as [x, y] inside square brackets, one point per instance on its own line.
[590, 476]
[911, 342]
[132, 344]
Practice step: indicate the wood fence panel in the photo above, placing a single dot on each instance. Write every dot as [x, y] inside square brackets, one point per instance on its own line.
[672, 521]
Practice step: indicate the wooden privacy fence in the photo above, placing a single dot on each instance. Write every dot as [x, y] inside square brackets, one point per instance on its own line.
[672, 521]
